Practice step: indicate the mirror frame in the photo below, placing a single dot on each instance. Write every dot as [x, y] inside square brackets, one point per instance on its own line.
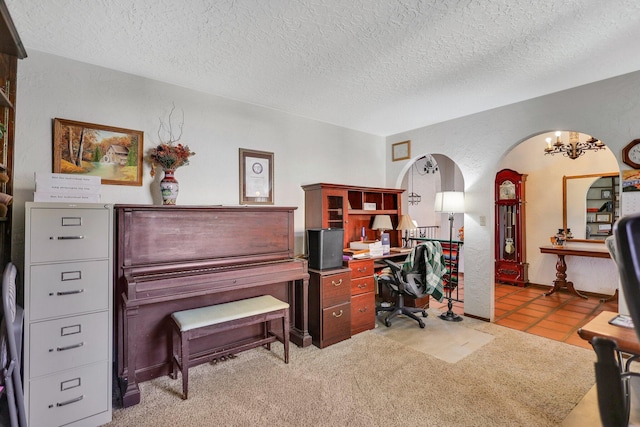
[564, 199]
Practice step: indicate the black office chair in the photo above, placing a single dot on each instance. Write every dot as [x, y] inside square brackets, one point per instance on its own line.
[627, 237]
[411, 283]
[612, 385]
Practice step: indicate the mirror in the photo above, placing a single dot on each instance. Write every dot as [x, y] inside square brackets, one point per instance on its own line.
[590, 205]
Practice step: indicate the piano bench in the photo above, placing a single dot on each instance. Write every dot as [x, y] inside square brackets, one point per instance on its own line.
[187, 325]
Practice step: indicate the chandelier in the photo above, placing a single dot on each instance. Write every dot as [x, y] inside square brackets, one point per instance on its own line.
[574, 148]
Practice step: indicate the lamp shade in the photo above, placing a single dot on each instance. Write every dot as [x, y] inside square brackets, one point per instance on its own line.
[382, 222]
[449, 201]
[406, 223]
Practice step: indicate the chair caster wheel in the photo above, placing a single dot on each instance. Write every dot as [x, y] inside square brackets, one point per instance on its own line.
[424, 314]
[387, 323]
[421, 325]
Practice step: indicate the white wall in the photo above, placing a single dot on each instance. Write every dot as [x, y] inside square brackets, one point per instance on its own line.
[305, 151]
[477, 143]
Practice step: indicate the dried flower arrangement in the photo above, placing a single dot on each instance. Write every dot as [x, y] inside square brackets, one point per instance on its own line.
[168, 155]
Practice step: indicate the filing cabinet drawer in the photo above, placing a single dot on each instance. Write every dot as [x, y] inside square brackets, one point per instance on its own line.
[336, 323]
[67, 396]
[362, 285]
[336, 289]
[64, 234]
[70, 288]
[64, 343]
[361, 268]
[363, 312]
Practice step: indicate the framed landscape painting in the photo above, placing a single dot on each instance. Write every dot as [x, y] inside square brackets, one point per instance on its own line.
[114, 154]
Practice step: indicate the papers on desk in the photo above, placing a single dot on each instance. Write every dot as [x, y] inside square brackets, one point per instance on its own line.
[622, 320]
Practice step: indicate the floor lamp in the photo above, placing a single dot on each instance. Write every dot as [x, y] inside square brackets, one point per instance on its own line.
[450, 202]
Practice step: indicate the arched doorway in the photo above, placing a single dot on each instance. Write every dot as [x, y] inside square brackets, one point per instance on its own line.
[545, 214]
[427, 175]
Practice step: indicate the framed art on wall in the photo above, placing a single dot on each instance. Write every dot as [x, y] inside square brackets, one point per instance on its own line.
[401, 150]
[114, 154]
[256, 177]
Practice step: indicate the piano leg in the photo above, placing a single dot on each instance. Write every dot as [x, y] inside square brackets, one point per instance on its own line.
[298, 294]
[131, 392]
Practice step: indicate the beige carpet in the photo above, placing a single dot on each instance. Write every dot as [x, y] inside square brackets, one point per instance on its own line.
[515, 379]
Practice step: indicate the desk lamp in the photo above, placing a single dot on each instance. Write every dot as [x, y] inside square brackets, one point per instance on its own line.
[382, 223]
[450, 202]
[406, 224]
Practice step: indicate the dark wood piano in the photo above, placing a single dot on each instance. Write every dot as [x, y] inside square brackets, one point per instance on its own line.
[171, 258]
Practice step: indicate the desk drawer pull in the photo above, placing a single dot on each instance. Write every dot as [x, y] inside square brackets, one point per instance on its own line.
[362, 270]
[363, 285]
[338, 283]
[68, 402]
[337, 315]
[69, 347]
[364, 309]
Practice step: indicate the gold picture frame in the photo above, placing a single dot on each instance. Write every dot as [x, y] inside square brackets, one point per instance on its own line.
[256, 177]
[114, 154]
[401, 151]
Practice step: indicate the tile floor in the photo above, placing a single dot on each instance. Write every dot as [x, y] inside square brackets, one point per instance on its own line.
[557, 316]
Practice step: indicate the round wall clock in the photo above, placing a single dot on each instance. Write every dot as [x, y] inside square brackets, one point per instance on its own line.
[631, 154]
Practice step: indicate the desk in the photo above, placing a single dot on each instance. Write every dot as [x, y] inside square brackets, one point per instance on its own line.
[625, 338]
[598, 251]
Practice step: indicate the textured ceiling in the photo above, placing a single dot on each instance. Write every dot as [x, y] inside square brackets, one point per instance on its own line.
[381, 67]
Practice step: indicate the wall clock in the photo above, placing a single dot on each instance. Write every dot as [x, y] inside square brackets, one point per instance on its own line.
[631, 154]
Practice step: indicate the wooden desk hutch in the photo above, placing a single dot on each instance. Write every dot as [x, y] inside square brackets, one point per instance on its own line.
[343, 206]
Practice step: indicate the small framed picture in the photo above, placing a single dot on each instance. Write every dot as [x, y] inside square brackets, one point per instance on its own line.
[603, 217]
[604, 228]
[605, 194]
[401, 151]
[256, 177]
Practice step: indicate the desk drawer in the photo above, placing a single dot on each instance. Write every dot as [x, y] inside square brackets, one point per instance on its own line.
[59, 399]
[336, 289]
[68, 234]
[64, 343]
[336, 324]
[361, 268]
[363, 312]
[69, 288]
[362, 285]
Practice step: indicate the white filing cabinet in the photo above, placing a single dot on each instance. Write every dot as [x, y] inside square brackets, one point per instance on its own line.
[68, 313]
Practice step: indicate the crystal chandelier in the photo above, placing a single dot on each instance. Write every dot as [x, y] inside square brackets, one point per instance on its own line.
[574, 148]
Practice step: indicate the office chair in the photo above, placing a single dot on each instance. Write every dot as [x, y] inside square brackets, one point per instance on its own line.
[612, 385]
[414, 279]
[11, 347]
[627, 237]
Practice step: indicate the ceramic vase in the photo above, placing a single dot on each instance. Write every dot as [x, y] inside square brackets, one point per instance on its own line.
[169, 188]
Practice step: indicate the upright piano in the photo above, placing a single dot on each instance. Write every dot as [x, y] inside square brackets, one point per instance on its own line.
[171, 258]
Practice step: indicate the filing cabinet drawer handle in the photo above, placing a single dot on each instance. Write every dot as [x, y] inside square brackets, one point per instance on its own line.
[69, 347]
[337, 315]
[362, 270]
[336, 283]
[70, 237]
[76, 291]
[68, 402]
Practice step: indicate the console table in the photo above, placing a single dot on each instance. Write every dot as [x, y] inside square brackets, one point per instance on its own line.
[598, 251]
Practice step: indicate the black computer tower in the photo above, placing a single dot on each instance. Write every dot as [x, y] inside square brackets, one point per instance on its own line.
[325, 248]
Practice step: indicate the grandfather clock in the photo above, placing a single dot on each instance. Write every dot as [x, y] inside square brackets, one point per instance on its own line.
[511, 266]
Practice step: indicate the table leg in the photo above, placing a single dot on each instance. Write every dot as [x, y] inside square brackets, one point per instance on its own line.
[561, 279]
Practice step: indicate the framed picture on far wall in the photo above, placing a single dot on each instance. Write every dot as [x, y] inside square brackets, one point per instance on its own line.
[401, 151]
[256, 177]
[114, 154]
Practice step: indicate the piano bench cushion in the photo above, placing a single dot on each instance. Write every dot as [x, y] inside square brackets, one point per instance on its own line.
[226, 312]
